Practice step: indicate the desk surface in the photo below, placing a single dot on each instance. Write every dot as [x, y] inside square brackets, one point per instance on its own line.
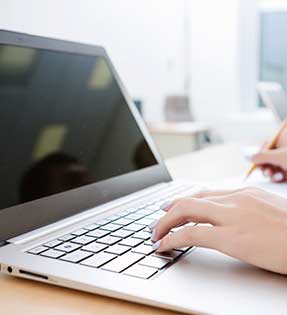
[20, 296]
[179, 128]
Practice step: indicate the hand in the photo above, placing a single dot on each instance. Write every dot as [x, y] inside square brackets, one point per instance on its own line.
[273, 163]
[248, 224]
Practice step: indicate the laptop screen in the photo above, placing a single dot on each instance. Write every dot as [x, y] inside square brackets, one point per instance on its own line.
[64, 124]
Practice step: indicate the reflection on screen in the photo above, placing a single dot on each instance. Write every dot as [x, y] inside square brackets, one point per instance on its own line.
[64, 124]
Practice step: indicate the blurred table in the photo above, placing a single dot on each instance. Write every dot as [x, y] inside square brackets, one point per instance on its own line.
[209, 165]
[174, 139]
[20, 296]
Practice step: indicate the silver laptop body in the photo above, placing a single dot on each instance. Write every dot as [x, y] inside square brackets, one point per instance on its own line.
[81, 180]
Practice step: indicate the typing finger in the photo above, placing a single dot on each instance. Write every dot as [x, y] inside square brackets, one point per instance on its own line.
[201, 236]
[216, 193]
[189, 210]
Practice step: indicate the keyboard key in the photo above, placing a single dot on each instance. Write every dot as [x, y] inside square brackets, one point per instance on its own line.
[79, 232]
[76, 256]
[131, 242]
[134, 216]
[98, 260]
[114, 217]
[66, 238]
[155, 262]
[134, 227]
[109, 240]
[159, 203]
[95, 247]
[68, 247]
[183, 249]
[155, 216]
[91, 227]
[149, 242]
[142, 206]
[117, 249]
[37, 250]
[145, 211]
[53, 243]
[140, 271]
[103, 222]
[122, 233]
[111, 227]
[83, 240]
[142, 235]
[132, 210]
[150, 203]
[123, 213]
[143, 249]
[144, 221]
[52, 253]
[98, 233]
[123, 262]
[153, 208]
[171, 254]
[123, 221]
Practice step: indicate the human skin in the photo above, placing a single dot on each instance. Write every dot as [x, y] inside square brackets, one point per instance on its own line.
[273, 163]
[249, 224]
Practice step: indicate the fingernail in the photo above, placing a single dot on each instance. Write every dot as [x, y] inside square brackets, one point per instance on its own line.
[156, 245]
[278, 177]
[152, 225]
[267, 173]
[153, 238]
[165, 205]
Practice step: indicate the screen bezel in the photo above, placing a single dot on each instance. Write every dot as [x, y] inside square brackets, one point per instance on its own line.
[26, 217]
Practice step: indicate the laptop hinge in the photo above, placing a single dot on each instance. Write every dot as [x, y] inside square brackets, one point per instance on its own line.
[83, 215]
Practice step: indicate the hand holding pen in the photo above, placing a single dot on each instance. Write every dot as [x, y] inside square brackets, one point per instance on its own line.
[272, 160]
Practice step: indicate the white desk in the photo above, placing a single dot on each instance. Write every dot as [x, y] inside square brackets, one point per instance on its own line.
[211, 164]
[174, 139]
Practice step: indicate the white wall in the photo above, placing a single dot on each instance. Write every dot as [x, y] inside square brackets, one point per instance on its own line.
[273, 4]
[224, 57]
[144, 38]
[248, 52]
[145, 41]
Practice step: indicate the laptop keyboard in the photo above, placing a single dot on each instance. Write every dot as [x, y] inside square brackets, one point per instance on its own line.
[120, 243]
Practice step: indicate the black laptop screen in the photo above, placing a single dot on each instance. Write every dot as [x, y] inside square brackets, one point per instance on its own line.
[64, 123]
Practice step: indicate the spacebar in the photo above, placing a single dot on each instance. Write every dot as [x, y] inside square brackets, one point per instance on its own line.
[123, 262]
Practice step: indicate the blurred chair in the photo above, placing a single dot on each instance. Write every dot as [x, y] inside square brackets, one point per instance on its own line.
[274, 97]
[177, 109]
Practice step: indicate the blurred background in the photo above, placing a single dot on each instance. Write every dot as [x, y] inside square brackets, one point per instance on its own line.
[201, 72]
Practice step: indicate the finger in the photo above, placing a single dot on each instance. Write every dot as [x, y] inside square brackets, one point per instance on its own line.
[266, 157]
[189, 210]
[278, 177]
[267, 170]
[265, 145]
[224, 194]
[276, 174]
[169, 204]
[216, 193]
[202, 236]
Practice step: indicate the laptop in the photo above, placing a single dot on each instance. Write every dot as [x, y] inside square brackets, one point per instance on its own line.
[81, 180]
[274, 97]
